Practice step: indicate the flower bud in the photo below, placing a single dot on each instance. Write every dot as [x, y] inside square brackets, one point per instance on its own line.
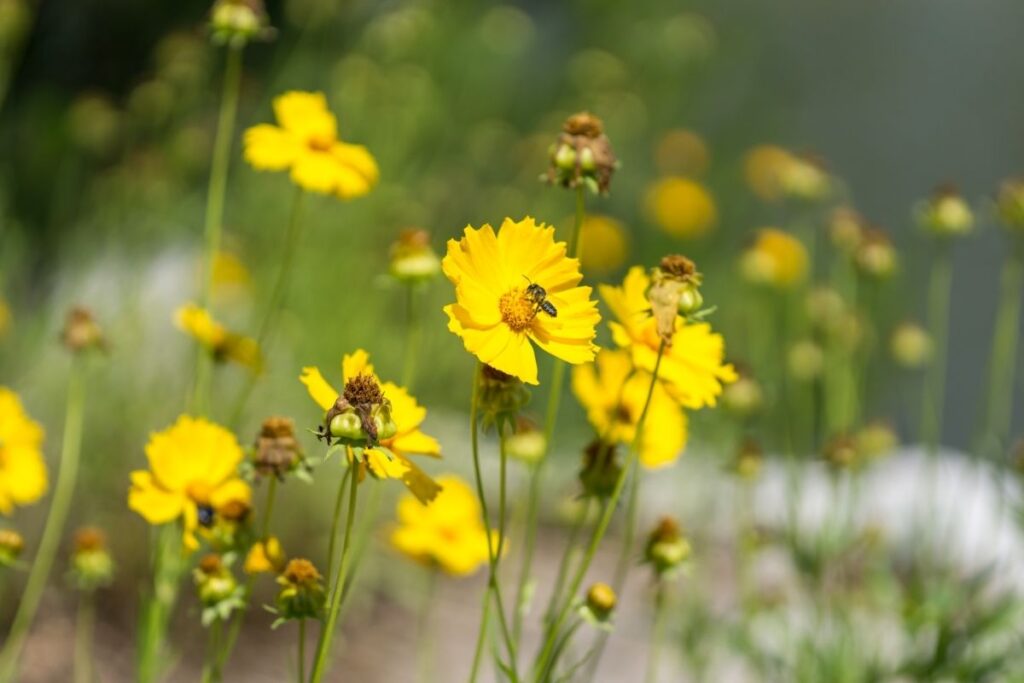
[601, 601]
[347, 425]
[690, 301]
[11, 545]
[825, 308]
[841, 452]
[412, 259]
[81, 331]
[302, 592]
[600, 471]
[744, 397]
[910, 345]
[875, 439]
[277, 451]
[502, 396]
[666, 547]
[214, 581]
[1010, 204]
[565, 158]
[946, 214]
[805, 360]
[236, 22]
[91, 564]
[804, 179]
[845, 229]
[527, 443]
[582, 155]
[876, 256]
[749, 459]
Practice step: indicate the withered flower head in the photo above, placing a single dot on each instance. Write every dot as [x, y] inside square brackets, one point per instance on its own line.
[675, 290]
[363, 390]
[81, 331]
[302, 593]
[301, 572]
[600, 471]
[361, 415]
[582, 155]
[278, 452]
[666, 547]
[90, 538]
[502, 396]
[11, 545]
[211, 564]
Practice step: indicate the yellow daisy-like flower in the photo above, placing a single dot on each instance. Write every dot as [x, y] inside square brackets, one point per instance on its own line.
[499, 310]
[681, 207]
[613, 395]
[306, 143]
[265, 557]
[22, 467]
[447, 533]
[692, 368]
[193, 472]
[223, 344]
[407, 414]
[776, 258]
[604, 244]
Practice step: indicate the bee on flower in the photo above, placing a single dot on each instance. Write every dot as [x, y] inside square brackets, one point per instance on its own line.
[222, 344]
[23, 478]
[516, 289]
[381, 419]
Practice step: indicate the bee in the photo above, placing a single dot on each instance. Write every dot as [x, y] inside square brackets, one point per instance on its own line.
[205, 515]
[539, 296]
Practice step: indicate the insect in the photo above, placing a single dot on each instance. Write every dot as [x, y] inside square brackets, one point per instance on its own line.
[539, 296]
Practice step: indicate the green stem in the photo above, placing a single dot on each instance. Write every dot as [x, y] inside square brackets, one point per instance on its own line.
[492, 553]
[212, 651]
[323, 647]
[563, 565]
[544, 659]
[424, 634]
[657, 633]
[550, 420]
[167, 568]
[413, 336]
[59, 508]
[939, 290]
[293, 236]
[302, 651]
[84, 626]
[339, 501]
[481, 636]
[629, 533]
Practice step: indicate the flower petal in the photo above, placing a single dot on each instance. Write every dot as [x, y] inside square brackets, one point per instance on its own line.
[319, 390]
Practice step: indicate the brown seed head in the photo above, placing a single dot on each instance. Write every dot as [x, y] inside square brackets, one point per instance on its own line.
[301, 571]
[584, 123]
[277, 449]
[679, 268]
[211, 564]
[89, 538]
[81, 331]
[363, 390]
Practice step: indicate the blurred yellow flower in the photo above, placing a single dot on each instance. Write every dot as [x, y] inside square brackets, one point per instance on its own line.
[692, 369]
[498, 312]
[22, 467]
[763, 167]
[613, 395]
[306, 143]
[230, 276]
[681, 152]
[776, 258]
[681, 207]
[224, 345]
[193, 472]
[265, 557]
[448, 533]
[407, 414]
[604, 244]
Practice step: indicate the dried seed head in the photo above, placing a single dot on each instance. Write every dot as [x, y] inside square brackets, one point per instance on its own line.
[277, 451]
[679, 268]
[89, 539]
[91, 563]
[301, 572]
[584, 123]
[582, 155]
[666, 547]
[81, 331]
[363, 390]
[675, 289]
[211, 564]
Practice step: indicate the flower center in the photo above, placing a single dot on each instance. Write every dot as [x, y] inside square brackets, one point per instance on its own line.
[517, 309]
[320, 144]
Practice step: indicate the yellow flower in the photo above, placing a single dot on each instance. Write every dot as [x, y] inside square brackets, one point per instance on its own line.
[306, 144]
[448, 532]
[22, 467]
[407, 415]
[681, 152]
[764, 167]
[614, 395]
[264, 557]
[776, 258]
[692, 368]
[193, 472]
[604, 244]
[681, 207]
[223, 344]
[230, 276]
[497, 315]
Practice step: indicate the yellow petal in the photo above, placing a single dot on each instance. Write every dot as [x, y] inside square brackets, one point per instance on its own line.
[233, 490]
[323, 393]
[269, 148]
[305, 114]
[154, 504]
[356, 363]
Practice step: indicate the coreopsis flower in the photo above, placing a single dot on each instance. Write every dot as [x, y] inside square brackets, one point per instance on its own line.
[692, 368]
[845, 229]
[448, 533]
[231, 277]
[604, 244]
[22, 467]
[613, 395]
[1010, 204]
[582, 155]
[192, 476]
[302, 593]
[306, 144]
[81, 331]
[264, 557]
[515, 287]
[236, 22]
[223, 344]
[776, 259]
[388, 455]
[412, 258]
[666, 547]
[946, 213]
[91, 563]
[681, 207]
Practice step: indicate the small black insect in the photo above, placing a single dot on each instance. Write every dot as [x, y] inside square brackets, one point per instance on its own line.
[205, 515]
[539, 296]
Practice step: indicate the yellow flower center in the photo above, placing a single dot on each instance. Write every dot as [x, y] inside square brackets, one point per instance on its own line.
[517, 309]
[320, 144]
[199, 492]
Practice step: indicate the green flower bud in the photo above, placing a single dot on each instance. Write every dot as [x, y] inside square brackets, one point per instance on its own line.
[744, 397]
[601, 470]
[11, 545]
[601, 601]
[805, 360]
[214, 581]
[910, 345]
[527, 443]
[565, 158]
[666, 547]
[91, 564]
[237, 22]
[946, 214]
[587, 161]
[347, 425]
[412, 259]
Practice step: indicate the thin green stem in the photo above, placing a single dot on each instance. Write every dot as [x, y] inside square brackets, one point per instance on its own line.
[629, 532]
[167, 568]
[481, 636]
[84, 626]
[302, 651]
[657, 632]
[544, 659]
[212, 651]
[566, 561]
[327, 631]
[413, 336]
[939, 289]
[60, 506]
[339, 501]
[550, 420]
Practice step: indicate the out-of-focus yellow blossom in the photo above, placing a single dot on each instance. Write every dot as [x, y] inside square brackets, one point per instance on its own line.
[763, 168]
[22, 467]
[776, 259]
[805, 179]
[681, 207]
[911, 345]
[498, 311]
[193, 472]
[447, 533]
[306, 144]
[613, 395]
[681, 152]
[692, 368]
[604, 244]
[230, 276]
[407, 415]
[223, 344]
[264, 557]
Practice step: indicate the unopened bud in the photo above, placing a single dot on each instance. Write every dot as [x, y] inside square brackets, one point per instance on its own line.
[1010, 204]
[527, 443]
[910, 345]
[302, 593]
[876, 256]
[81, 331]
[91, 564]
[11, 545]
[237, 22]
[601, 601]
[946, 213]
[666, 547]
[412, 259]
